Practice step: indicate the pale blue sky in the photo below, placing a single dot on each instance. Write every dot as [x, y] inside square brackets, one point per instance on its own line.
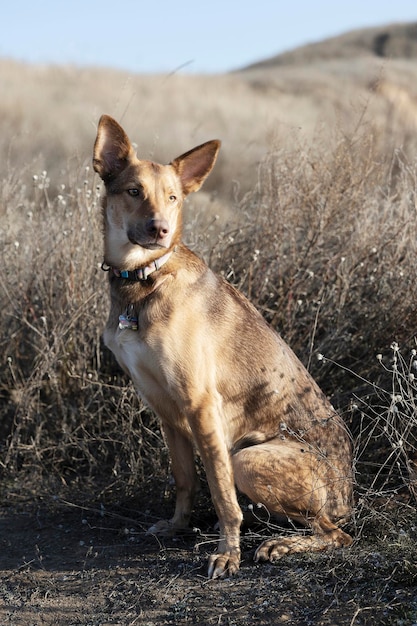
[163, 35]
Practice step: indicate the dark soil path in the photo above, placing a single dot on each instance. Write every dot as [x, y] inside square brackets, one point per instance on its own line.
[65, 566]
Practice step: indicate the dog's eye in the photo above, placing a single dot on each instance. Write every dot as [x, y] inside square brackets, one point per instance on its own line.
[172, 198]
[133, 192]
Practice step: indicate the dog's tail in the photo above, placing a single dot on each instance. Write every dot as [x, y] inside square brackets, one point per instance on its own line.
[248, 440]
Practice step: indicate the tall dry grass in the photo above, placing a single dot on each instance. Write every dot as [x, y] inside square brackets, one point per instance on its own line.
[65, 412]
[325, 247]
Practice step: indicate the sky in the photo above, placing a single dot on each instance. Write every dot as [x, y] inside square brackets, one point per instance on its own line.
[164, 36]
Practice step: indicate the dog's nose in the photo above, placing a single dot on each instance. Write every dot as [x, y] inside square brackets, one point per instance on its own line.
[157, 228]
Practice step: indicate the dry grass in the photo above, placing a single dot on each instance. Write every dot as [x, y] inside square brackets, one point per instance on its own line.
[325, 247]
[63, 409]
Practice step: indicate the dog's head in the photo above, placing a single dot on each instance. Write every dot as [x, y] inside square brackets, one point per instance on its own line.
[143, 200]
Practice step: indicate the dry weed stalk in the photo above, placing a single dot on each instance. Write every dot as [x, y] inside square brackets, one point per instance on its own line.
[388, 419]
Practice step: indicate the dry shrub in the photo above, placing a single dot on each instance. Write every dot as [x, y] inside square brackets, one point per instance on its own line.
[386, 442]
[325, 248]
[66, 412]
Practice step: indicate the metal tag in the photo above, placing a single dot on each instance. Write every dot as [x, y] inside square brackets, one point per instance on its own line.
[128, 319]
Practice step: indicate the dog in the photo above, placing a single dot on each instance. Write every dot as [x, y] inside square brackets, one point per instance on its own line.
[223, 383]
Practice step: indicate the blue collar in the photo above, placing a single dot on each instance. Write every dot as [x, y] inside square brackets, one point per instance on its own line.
[141, 273]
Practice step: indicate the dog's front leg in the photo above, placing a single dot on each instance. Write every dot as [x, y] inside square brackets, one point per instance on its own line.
[186, 482]
[218, 467]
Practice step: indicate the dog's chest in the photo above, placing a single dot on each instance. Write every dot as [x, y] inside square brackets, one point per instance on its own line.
[132, 354]
[151, 375]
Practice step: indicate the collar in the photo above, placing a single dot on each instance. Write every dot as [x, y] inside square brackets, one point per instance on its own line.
[141, 273]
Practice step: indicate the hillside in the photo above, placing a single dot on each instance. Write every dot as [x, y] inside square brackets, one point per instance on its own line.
[394, 41]
[48, 115]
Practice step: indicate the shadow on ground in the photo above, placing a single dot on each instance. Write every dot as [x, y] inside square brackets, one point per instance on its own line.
[65, 565]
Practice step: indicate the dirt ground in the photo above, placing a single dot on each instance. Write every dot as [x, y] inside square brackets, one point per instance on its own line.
[66, 565]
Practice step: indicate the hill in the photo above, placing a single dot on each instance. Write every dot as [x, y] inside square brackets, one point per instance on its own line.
[395, 41]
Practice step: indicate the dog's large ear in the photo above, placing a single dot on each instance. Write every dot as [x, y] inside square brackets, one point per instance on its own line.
[112, 148]
[194, 166]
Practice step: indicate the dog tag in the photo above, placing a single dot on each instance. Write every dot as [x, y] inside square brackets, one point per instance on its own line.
[128, 320]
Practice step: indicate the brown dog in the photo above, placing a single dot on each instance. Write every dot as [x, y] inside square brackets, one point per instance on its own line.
[206, 362]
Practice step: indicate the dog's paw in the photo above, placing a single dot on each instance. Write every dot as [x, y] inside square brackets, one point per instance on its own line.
[224, 565]
[168, 528]
[163, 528]
[271, 550]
